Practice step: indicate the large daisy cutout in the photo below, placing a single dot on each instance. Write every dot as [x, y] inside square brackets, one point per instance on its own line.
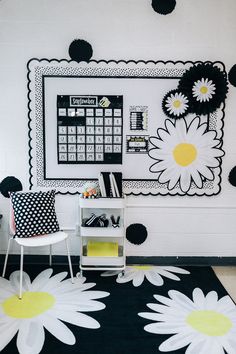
[206, 87]
[175, 104]
[154, 274]
[184, 154]
[205, 324]
[46, 302]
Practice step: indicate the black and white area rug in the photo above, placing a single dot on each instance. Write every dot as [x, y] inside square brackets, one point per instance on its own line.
[150, 310]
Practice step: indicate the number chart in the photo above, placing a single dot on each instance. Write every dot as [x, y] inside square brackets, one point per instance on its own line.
[89, 129]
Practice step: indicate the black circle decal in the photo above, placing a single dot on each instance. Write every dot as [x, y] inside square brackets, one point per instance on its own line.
[232, 75]
[136, 233]
[163, 7]
[232, 176]
[80, 50]
[10, 184]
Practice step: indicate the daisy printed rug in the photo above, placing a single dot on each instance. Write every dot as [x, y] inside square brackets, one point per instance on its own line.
[149, 310]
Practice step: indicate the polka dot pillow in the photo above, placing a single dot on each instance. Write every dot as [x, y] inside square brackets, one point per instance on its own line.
[34, 213]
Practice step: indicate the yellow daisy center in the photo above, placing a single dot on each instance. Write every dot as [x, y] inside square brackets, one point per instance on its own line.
[203, 90]
[142, 267]
[210, 323]
[177, 103]
[31, 305]
[184, 154]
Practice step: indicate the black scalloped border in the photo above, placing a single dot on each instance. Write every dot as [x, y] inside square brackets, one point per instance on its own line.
[117, 62]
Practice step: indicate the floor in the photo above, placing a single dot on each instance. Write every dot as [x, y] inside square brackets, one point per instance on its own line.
[227, 276]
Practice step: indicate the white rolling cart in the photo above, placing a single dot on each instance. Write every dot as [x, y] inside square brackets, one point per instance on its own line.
[101, 237]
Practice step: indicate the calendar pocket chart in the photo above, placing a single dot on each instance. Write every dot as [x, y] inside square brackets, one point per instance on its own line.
[87, 118]
[89, 129]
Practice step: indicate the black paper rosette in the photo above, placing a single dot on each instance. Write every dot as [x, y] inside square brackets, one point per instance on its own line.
[163, 7]
[80, 50]
[175, 104]
[10, 184]
[206, 86]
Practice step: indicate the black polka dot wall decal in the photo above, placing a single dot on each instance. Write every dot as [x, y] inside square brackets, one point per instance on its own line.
[163, 7]
[232, 176]
[10, 184]
[136, 233]
[80, 50]
[232, 75]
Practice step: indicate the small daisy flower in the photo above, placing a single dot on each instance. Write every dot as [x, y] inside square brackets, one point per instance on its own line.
[47, 302]
[205, 324]
[175, 104]
[154, 274]
[203, 90]
[184, 154]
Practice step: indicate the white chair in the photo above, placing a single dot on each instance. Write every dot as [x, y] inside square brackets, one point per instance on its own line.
[35, 241]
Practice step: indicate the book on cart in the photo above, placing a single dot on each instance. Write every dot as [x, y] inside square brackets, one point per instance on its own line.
[110, 184]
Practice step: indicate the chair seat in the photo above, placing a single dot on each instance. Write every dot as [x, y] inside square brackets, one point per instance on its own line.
[42, 240]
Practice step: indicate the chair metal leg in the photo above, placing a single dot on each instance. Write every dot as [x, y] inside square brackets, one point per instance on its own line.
[6, 257]
[21, 270]
[69, 261]
[50, 255]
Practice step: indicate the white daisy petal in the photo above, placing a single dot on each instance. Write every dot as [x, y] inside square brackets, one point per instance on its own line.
[177, 270]
[226, 303]
[162, 166]
[41, 280]
[30, 338]
[163, 300]
[152, 316]
[229, 345]
[163, 134]
[185, 180]
[180, 298]
[198, 298]
[167, 274]
[162, 328]
[138, 279]
[77, 319]
[168, 175]
[6, 286]
[196, 345]
[110, 273]
[211, 300]
[58, 329]
[158, 308]
[176, 342]
[159, 154]
[197, 178]
[91, 295]
[68, 288]
[15, 281]
[154, 278]
[8, 331]
[125, 278]
[206, 172]
[54, 281]
[174, 179]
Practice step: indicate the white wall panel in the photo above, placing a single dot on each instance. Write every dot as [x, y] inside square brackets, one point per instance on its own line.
[125, 29]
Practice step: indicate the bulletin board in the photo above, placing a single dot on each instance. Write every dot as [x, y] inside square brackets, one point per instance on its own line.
[85, 118]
